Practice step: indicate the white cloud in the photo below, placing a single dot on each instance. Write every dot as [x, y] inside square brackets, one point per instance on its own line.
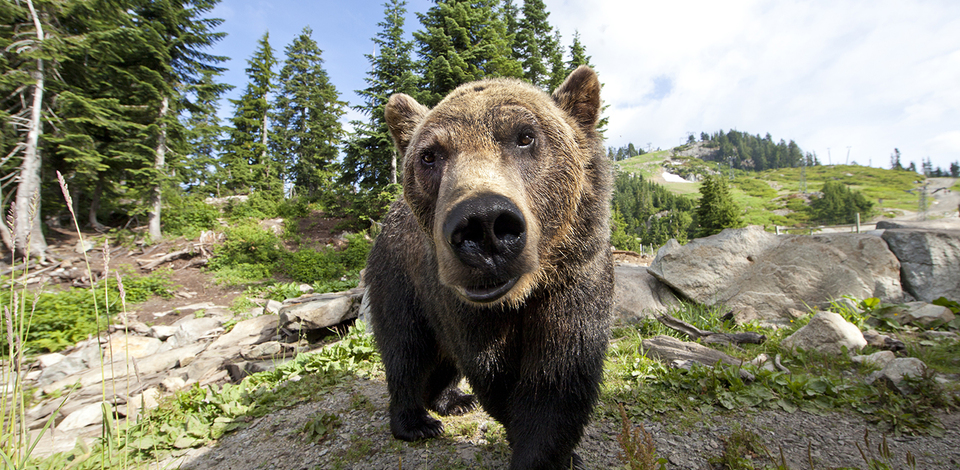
[871, 75]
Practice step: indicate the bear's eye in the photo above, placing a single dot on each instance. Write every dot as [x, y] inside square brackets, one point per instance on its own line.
[525, 139]
[428, 157]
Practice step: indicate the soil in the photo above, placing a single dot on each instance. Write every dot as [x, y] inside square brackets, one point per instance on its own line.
[362, 440]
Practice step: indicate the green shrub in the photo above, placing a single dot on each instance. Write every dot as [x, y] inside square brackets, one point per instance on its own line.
[312, 266]
[247, 244]
[59, 319]
[188, 216]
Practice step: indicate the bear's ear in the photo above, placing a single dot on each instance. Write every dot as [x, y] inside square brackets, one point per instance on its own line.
[580, 96]
[402, 114]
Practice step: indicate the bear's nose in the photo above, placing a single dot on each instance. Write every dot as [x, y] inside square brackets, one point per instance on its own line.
[487, 232]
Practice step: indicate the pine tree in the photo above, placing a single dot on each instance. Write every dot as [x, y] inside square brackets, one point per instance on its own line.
[244, 153]
[200, 170]
[838, 204]
[462, 41]
[178, 34]
[716, 210]
[536, 45]
[25, 67]
[306, 123]
[370, 160]
[578, 54]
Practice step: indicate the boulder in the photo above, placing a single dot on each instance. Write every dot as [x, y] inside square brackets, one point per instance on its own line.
[896, 370]
[878, 359]
[827, 332]
[928, 260]
[773, 278]
[311, 312]
[637, 294]
[927, 315]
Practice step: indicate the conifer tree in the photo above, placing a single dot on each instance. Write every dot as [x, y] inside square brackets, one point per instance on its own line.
[537, 46]
[462, 41]
[370, 160]
[204, 133]
[25, 65]
[306, 121]
[244, 154]
[717, 210]
[177, 33]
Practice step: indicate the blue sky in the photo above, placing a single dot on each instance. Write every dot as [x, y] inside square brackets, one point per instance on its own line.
[836, 76]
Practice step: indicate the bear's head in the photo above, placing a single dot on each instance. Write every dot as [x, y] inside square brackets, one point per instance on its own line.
[495, 174]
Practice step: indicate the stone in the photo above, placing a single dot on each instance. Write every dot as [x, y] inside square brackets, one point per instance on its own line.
[131, 346]
[638, 294]
[47, 360]
[317, 311]
[896, 370]
[262, 350]
[83, 417]
[929, 260]
[877, 359]
[162, 332]
[771, 277]
[247, 332]
[926, 315]
[190, 330]
[172, 383]
[60, 370]
[306, 288]
[272, 307]
[827, 332]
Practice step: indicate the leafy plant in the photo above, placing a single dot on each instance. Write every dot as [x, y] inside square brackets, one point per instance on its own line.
[637, 449]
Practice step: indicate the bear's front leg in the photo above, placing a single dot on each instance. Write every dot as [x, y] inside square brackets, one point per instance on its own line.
[547, 421]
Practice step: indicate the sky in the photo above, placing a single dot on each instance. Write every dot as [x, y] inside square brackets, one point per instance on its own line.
[847, 79]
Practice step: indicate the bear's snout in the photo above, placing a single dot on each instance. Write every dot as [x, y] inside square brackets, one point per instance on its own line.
[488, 233]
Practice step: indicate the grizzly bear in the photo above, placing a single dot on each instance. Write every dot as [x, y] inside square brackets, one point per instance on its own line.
[496, 265]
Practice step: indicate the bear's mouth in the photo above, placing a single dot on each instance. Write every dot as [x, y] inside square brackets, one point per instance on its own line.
[490, 292]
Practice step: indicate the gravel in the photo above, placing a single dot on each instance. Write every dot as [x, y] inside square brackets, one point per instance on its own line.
[363, 441]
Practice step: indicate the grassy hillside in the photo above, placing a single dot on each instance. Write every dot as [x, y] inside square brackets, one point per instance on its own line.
[773, 197]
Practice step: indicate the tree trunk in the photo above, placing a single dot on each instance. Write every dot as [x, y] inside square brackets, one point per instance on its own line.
[27, 227]
[159, 163]
[95, 209]
[393, 167]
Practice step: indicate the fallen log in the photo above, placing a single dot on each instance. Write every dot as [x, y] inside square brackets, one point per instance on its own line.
[710, 337]
[677, 353]
[151, 265]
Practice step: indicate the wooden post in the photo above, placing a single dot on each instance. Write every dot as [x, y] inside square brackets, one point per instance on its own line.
[858, 222]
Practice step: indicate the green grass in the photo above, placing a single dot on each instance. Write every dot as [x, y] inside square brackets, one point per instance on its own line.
[646, 164]
[876, 183]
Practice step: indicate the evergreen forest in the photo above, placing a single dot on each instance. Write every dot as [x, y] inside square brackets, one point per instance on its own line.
[116, 104]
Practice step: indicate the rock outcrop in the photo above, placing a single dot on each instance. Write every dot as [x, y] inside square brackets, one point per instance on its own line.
[929, 259]
[773, 278]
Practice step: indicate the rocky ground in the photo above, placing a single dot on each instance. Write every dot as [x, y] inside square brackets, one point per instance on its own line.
[181, 341]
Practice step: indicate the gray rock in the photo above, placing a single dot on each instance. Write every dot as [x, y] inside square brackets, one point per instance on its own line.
[272, 307]
[47, 360]
[775, 277]
[320, 310]
[247, 332]
[894, 372]
[60, 370]
[190, 330]
[130, 345]
[924, 314]
[83, 417]
[172, 383]
[162, 332]
[827, 332]
[929, 260]
[637, 294]
[877, 359]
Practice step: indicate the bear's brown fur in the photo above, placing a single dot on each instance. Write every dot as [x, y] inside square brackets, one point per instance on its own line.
[496, 266]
